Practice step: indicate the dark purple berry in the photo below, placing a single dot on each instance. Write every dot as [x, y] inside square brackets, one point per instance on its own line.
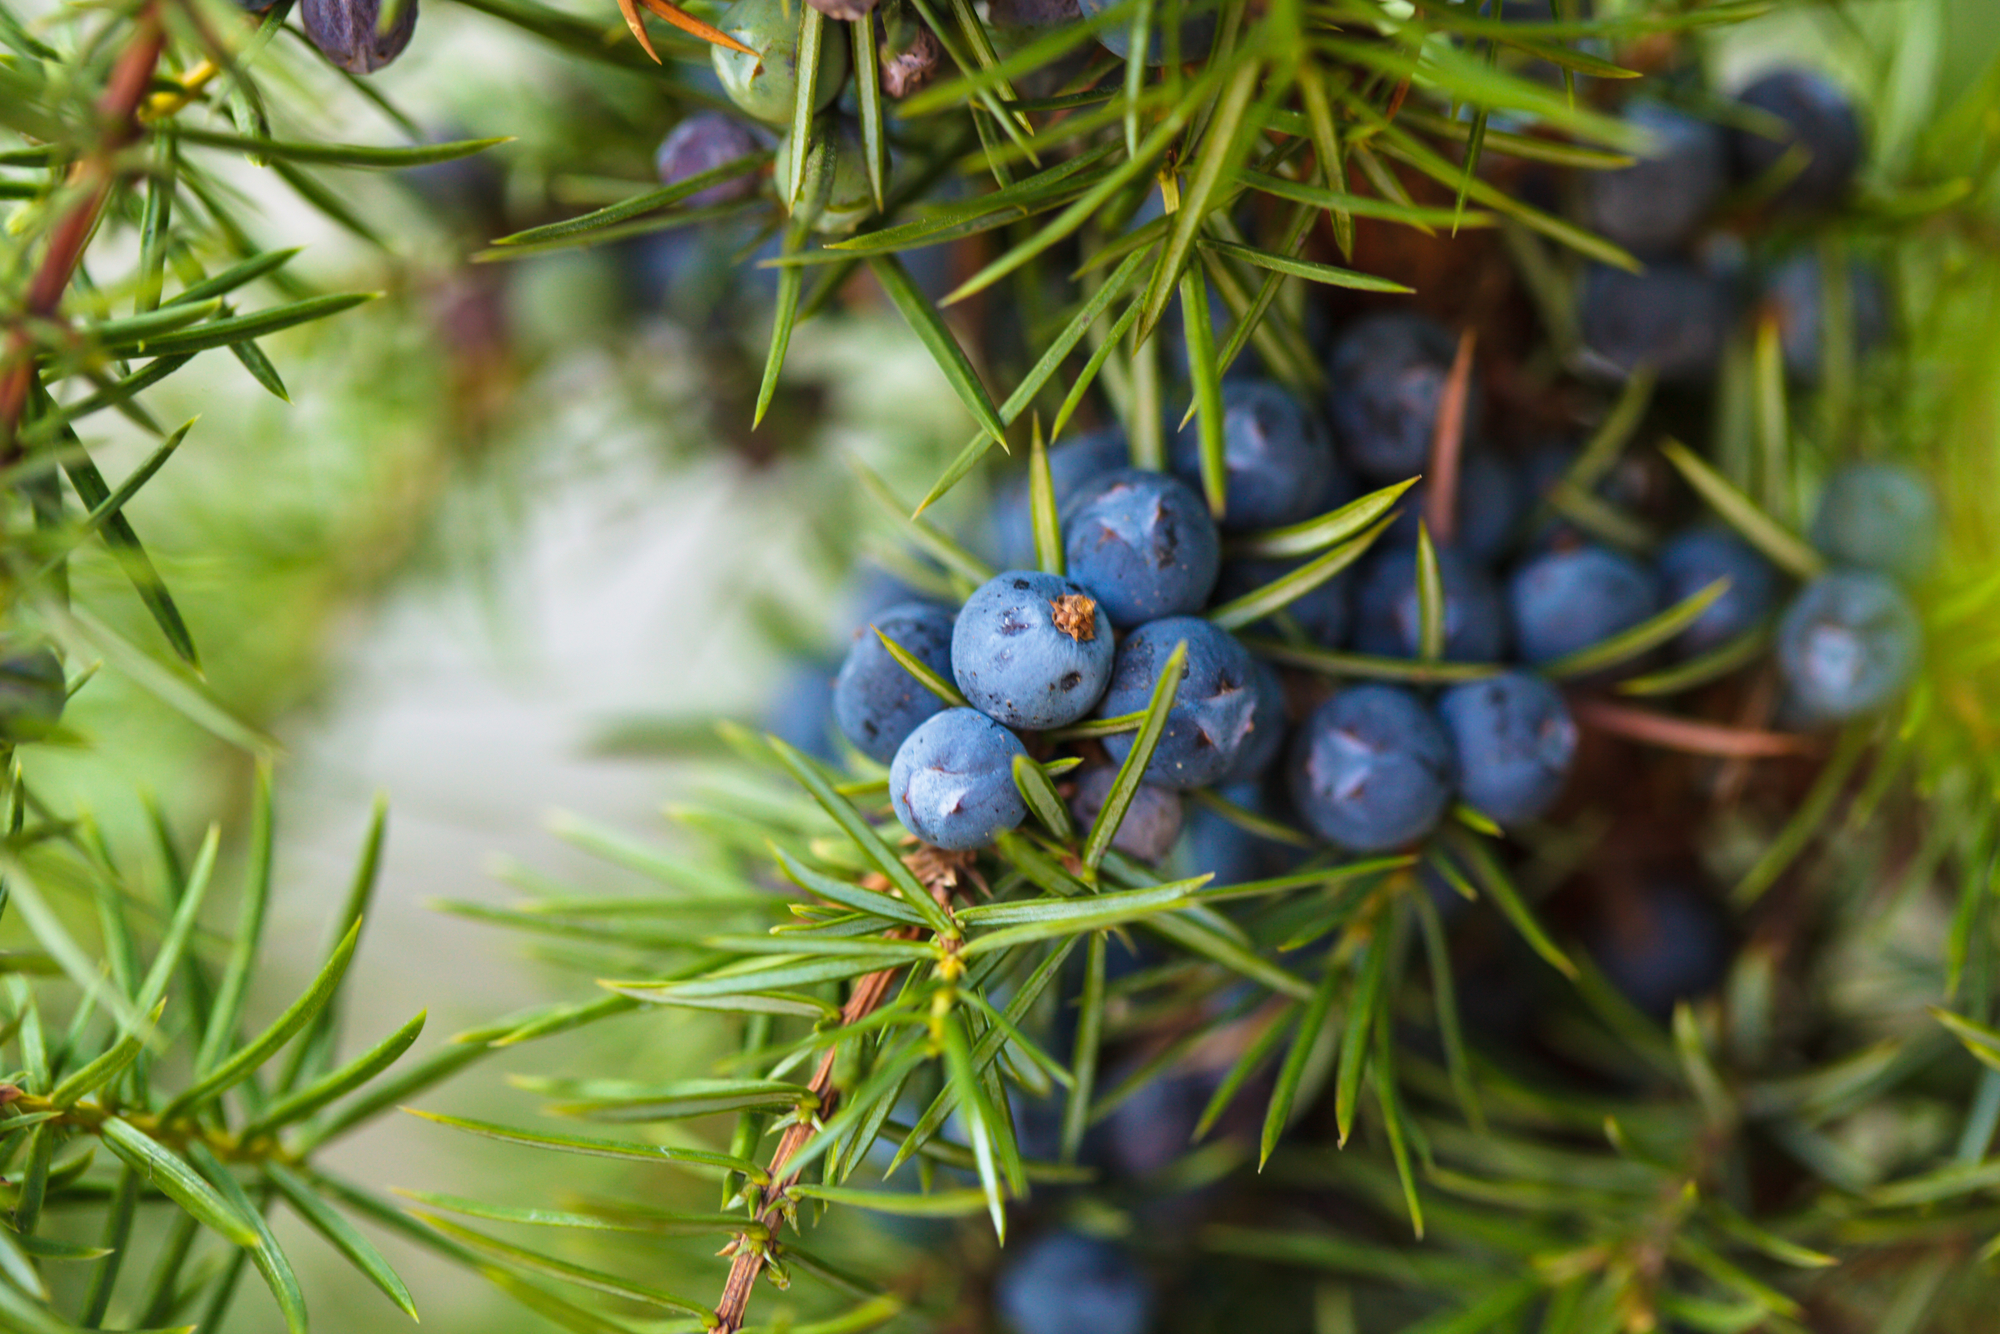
[350, 33]
[1658, 203]
[701, 143]
[1820, 119]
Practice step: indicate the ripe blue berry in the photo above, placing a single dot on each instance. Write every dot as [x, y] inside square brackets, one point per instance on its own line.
[1386, 378]
[1847, 644]
[1152, 822]
[1217, 846]
[1515, 740]
[1659, 202]
[701, 143]
[875, 701]
[1820, 119]
[1276, 454]
[350, 34]
[1567, 600]
[1693, 560]
[1794, 295]
[1067, 1283]
[765, 85]
[1322, 612]
[1196, 36]
[1878, 516]
[1387, 612]
[1489, 507]
[1672, 317]
[1031, 650]
[32, 693]
[1212, 713]
[1662, 945]
[1144, 544]
[1372, 769]
[1074, 464]
[1267, 725]
[799, 711]
[952, 782]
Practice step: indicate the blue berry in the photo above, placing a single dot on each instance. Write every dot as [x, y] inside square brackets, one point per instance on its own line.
[765, 83]
[701, 143]
[1663, 945]
[1515, 740]
[1372, 769]
[1144, 544]
[1067, 1283]
[1153, 1126]
[1030, 650]
[1793, 295]
[1152, 822]
[1074, 464]
[1386, 378]
[1658, 203]
[1693, 560]
[1821, 119]
[875, 701]
[1197, 33]
[1321, 611]
[1569, 599]
[1673, 318]
[1489, 508]
[1212, 713]
[1276, 454]
[952, 782]
[1878, 516]
[1387, 617]
[1267, 725]
[1217, 846]
[1847, 644]
[32, 693]
[350, 34]
[800, 711]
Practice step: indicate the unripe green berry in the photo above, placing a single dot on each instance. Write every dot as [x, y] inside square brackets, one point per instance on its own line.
[844, 200]
[766, 85]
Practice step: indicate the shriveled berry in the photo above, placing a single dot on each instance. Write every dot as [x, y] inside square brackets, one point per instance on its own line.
[32, 693]
[1795, 296]
[350, 33]
[876, 701]
[1388, 619]
[1566, 600]
[1144, 544]
[1659, 202]
[1848, 644]
[1515, 741]
[1878, 516]
[1820, 120]
[1673, 318]
[1693, 560]
[765, 84]
[1372, 769]
[1197, 33]
[1212, 713]
[1152, 822]
[952, 781]
[1068, 1283]
[1322, 611]
[1032, 650]
[701, 143]
[1276, 456]
[1385, 381]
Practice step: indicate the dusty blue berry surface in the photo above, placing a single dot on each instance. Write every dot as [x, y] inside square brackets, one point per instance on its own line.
[875, 701]
[1691, 561]
[1212, 713]
[1031, 649]
[1486, 511]
[1673, 318]
[1215, 845]
[1849, 643]
[1515, 741]
[1277, 456]
[1267, 725]
[1568, 599]
[701, 143]
[1387, 620]
[1152, 823]
[1067, 1283]
[1073, 464]
[1143, 543]
[1321, 612]
[952, 781]
[32, 693]
[1372, 768]
[1878, 516]
[1795, 295]
[1659, 202]
[1818, 118]
[1385, 380]
[1662, 944]
[799, 711]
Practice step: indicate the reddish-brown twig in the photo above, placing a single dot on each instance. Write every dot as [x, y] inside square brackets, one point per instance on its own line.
[94, 175]
[1689, 735]
[1448, 443]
